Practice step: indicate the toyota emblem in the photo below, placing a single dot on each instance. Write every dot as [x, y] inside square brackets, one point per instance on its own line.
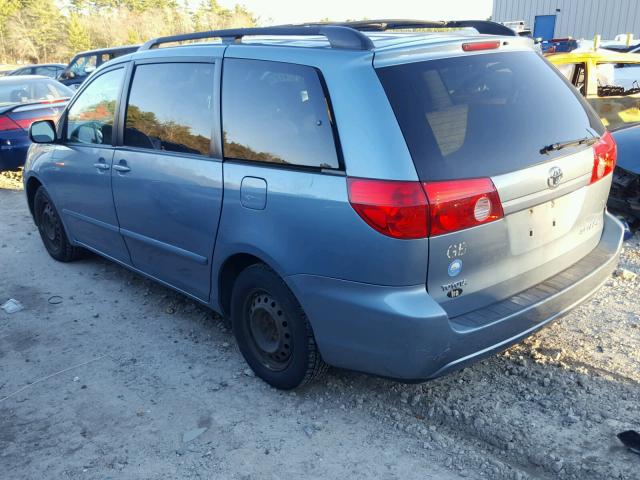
[555, 176]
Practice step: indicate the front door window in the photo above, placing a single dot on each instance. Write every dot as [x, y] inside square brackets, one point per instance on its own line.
[90, 118]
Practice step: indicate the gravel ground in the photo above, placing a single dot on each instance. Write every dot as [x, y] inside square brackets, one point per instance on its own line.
[107, 375]
[11, 180]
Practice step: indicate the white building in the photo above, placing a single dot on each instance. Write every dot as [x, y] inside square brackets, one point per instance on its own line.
[576, 18]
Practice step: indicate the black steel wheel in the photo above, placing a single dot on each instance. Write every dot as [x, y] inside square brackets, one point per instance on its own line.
[272, 330]
[51, 228]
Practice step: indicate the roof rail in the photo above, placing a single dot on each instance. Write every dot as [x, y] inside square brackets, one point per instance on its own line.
[382, 25]
[339, 36]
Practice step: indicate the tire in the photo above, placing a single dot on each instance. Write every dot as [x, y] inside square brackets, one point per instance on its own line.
[272, 330]
[51, 228]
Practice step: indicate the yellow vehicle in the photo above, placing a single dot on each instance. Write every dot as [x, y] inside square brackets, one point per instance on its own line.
[609, 80]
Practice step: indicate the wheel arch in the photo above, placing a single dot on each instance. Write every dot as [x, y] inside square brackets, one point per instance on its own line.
[228, 273]
[31, 187]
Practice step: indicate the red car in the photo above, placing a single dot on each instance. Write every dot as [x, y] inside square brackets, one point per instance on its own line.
[23, 100]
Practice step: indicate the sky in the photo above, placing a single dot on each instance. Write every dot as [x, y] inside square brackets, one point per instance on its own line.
[273, 12]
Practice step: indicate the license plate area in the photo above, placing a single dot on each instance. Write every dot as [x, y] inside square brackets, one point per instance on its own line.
[537, 226]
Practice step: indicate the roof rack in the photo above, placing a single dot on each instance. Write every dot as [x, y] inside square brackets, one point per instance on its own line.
[339, 36]
[382, 25]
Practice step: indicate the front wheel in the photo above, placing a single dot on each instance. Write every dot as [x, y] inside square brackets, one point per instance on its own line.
[51, 229]
[272, 330]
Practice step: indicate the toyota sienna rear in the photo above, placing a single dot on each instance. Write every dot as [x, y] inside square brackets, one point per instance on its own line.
[400, 204]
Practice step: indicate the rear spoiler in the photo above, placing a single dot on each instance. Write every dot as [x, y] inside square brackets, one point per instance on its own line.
[33, 105]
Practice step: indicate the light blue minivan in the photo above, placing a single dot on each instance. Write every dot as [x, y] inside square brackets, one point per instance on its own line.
[397, 203]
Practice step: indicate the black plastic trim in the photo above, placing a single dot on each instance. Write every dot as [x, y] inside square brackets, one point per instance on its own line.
[287, 166]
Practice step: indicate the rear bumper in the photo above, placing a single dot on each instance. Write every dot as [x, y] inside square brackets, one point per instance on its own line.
[402, 333]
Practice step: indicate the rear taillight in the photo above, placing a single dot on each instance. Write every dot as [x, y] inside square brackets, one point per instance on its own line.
[459, 204]
[410, 210]
[395, 209]
[7, 124]
[604, 157]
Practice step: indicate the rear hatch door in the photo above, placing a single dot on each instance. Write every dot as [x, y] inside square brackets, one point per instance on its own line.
[496, 116]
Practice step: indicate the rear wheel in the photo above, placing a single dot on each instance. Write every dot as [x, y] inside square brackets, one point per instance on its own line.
[272, 330]
[50, 227]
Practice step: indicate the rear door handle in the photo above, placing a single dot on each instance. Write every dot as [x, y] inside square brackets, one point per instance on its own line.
[122, 167]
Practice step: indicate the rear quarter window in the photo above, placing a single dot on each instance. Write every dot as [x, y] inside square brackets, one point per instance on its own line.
[276, 113]
[46, 71]
[484, 115]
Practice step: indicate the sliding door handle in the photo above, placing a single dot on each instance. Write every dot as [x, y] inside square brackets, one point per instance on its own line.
[122, 167]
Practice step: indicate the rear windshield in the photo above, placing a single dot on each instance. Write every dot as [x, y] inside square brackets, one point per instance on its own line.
[484, 115]
[28, 90]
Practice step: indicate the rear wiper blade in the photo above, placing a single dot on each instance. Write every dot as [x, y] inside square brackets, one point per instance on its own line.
[573, 143]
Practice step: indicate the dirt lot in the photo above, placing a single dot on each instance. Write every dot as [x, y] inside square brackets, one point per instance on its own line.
[107, 375]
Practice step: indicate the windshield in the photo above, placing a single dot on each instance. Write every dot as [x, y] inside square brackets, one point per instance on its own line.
[484, 115]
[31, 90]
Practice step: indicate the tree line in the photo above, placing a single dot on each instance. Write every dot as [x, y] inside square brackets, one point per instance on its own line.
[42, 31]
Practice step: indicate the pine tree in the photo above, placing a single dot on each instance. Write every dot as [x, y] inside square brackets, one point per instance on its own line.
[133, 37]
[78, 36]
[39, 31]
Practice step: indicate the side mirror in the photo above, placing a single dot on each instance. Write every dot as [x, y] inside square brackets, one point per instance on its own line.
[42, 131]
